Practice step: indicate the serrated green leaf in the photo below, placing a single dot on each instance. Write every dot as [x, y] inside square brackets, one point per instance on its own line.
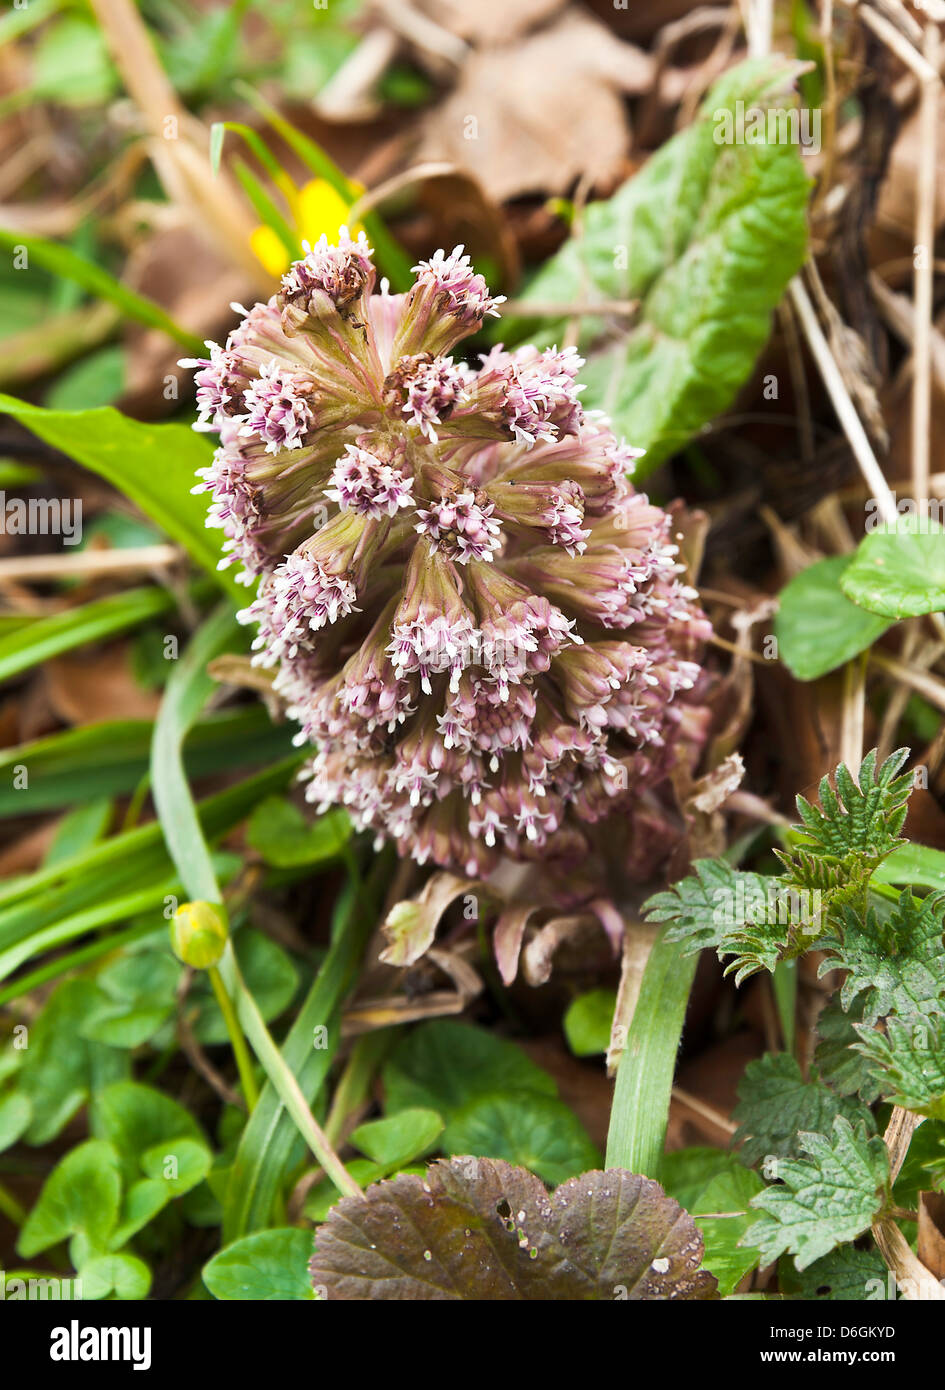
[839, 1066]
[706, 236]
[895, 958]
[718, 906]
[898, 570]
[845, 1275]
[817, 626]
[776, 1104]
[908, 1062]
[824, 1200]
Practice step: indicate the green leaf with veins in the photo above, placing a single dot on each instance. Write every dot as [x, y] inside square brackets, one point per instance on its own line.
[824, 1200]
[81, 1196]
[908, 1062]
[842, 842]
[898, 570]
[443, 1065]
[265, 1266]
[483, 1231]
[842, 1068]
[895, 961]
[536, 1132]
[845, 1275]
[706, 236]
[721, 1211]
[817, 627]
[775, 1103]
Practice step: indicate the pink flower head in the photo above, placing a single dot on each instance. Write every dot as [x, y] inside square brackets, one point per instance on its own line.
[481, 627]
[278, 409]
[361, 482]
[461, 526]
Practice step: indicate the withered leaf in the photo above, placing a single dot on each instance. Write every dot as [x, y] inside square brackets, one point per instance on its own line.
[480, 1229]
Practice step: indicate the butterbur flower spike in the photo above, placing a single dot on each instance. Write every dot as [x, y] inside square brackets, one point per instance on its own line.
[471, 614]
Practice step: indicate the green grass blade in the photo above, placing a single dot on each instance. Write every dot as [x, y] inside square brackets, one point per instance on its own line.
[63, 261]
[110, 759]
[90, 622]
[270, 1136]
[151, 464]
[645, 1073]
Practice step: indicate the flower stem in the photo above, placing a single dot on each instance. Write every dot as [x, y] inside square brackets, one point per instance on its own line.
[11, 1208]
[244, 1063]
[640, 1108]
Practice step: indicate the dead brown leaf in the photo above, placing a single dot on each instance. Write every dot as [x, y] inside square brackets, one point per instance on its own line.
[535, 117]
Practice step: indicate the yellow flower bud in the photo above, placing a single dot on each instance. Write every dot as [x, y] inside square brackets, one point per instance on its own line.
[199, 934]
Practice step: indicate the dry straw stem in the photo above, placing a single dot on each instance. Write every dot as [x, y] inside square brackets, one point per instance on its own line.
[915, 1281]
[925, 241]
[88, 564]
[179, 144]
[842, 404]
[903, 41]
[920, 681]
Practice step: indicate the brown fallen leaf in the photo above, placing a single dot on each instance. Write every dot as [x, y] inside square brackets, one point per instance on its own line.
[86, 690]
[490, 21]
[536, 116]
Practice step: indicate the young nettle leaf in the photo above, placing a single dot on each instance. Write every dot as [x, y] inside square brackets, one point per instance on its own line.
[908, 1062]
[838, 1064]
[895, 961]
[824, 1200]
[474, 1229]
[734, 913]
[776, 1104]
[855, 827]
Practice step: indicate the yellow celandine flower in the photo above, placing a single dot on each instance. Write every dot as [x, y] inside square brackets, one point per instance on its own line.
[317, 207]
